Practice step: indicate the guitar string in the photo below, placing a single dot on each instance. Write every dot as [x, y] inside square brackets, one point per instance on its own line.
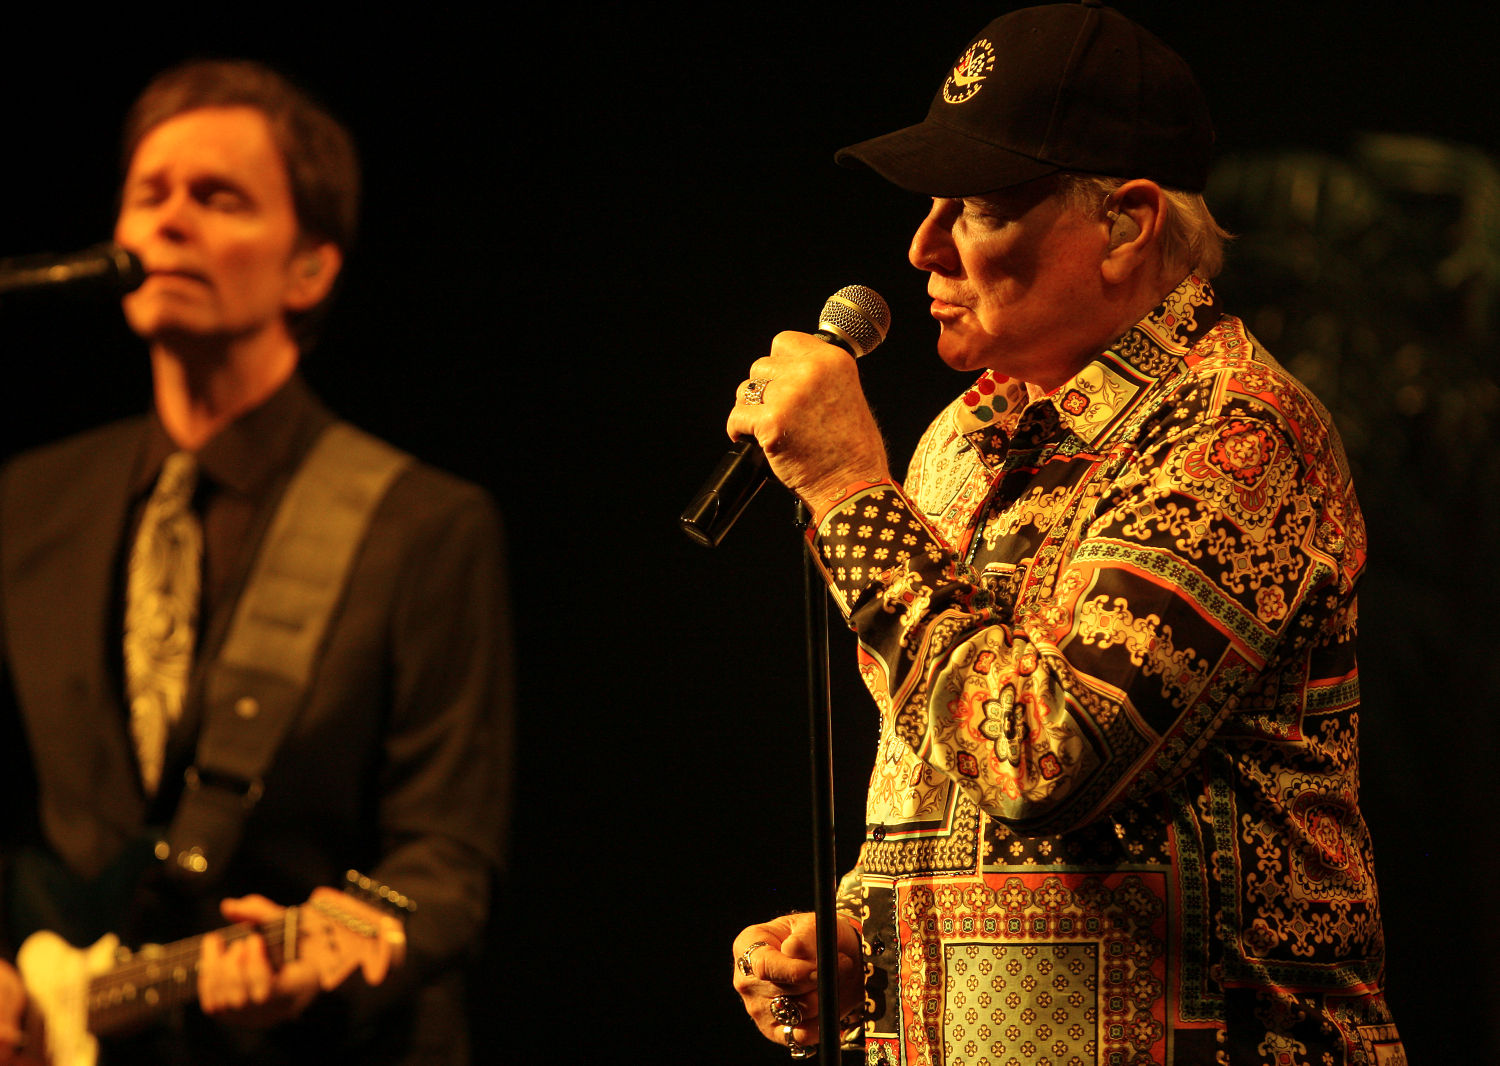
[169, 961]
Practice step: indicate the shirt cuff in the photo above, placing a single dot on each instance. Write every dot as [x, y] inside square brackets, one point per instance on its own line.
[867, 537]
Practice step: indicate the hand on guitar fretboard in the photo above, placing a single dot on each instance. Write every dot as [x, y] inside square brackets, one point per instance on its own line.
[264, 969]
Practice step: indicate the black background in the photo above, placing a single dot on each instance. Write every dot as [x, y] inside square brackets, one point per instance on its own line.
[581, 224]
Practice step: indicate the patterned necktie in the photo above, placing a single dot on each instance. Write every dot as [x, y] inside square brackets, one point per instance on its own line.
[161, 612]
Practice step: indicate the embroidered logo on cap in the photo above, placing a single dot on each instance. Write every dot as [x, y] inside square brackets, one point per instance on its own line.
[969, 72]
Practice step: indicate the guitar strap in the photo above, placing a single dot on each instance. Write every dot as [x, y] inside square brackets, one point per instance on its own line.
[259, 681]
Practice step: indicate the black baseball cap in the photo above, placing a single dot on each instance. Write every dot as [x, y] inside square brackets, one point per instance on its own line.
[1058, 87]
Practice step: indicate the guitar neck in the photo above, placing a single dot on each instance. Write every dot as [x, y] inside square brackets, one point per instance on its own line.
[79, 994]
[162, 976]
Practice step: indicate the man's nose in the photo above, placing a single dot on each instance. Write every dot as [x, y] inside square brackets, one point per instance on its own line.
[932, 245]
[174, 217]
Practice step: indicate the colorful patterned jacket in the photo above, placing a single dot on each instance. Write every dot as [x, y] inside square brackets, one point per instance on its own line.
[1114, 813]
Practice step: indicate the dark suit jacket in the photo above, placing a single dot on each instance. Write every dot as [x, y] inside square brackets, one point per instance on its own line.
[397, 765]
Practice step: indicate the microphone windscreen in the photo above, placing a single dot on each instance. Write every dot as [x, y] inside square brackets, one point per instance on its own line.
[857, 316]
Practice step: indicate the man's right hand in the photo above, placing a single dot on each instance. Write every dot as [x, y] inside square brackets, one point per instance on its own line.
[786, 966]
[22, 1042]
[12, 1004]
[811, 418]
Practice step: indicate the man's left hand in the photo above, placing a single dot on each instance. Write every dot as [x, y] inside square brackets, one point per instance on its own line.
[777, 961]
[236, 982]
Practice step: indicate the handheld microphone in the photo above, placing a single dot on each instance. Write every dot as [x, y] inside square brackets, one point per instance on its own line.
[855, 319]
[105, 267]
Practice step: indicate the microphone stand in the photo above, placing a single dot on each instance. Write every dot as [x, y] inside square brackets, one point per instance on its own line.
[855, 319]
[820, 746]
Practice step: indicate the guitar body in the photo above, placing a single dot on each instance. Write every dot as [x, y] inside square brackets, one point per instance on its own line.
[56, 975]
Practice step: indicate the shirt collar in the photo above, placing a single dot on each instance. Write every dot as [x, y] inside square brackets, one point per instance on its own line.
[246, 455]
[1097, 398]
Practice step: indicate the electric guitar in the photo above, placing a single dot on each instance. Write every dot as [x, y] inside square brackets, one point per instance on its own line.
[78, 995]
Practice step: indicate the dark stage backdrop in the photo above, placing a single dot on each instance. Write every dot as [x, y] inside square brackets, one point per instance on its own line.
[580, 227]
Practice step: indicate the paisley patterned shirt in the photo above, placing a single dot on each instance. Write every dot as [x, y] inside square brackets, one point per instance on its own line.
[1110, 631]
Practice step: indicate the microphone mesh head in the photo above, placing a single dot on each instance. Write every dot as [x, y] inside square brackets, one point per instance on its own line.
[857, 315]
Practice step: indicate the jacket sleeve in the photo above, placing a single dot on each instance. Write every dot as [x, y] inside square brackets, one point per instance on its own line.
[1194, 557]
[444, 783]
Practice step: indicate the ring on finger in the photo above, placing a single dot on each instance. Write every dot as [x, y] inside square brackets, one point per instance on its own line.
[786, 1010]
[796, 1050]
[754, 390]
[743, 962]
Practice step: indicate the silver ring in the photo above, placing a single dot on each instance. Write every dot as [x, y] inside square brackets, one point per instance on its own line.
[796, 1050]
[743, 962]
[786, 1011]
[754, 390]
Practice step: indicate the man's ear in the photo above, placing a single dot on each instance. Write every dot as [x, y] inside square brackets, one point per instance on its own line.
[1135, 214]
[314, 269]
